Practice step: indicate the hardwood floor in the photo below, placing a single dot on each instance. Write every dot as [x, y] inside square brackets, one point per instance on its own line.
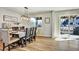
[41, 44]
[49, 44]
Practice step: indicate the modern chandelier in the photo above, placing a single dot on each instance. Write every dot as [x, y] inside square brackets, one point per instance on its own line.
[25, 16]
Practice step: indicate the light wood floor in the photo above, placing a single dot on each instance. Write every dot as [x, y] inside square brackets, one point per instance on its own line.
[47, 44]
[41, 44]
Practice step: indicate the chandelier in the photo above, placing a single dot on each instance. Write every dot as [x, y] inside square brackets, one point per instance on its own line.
[26, 14]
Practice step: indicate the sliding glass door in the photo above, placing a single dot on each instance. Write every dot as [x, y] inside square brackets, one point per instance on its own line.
[69, 25]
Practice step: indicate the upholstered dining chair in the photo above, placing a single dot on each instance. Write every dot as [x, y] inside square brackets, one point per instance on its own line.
[31, 34]
[26, 38]
[34, 33]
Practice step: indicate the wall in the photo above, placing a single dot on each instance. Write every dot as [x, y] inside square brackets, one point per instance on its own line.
[4, 11]
[55, 21]
[46, 29]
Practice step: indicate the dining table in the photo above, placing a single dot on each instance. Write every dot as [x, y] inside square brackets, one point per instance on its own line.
[19, 33]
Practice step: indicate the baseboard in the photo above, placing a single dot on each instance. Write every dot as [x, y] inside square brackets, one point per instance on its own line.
[43, 37]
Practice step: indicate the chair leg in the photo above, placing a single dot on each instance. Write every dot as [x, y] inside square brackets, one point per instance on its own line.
[34, 38]
[21, 43]
[25, 43]
[3, 46]
[29, 40]
[8, 47]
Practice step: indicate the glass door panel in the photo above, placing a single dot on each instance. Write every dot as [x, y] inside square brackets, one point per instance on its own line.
[69, 25]
[64, 25]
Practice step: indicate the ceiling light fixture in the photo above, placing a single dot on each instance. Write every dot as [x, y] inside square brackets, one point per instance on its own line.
[26, 14]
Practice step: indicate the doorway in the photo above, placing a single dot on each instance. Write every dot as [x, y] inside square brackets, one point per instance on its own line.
[37, 22]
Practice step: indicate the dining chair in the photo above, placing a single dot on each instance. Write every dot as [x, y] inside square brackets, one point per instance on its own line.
[28, 35]
[7, 39]
[31, 34]
[25, 38]
[34, 33]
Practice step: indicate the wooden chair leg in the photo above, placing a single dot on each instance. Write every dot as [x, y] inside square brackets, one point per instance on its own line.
[19, 43]
[22, 45]
[25, 43]
[34, 38]
[3, 46]
[8, 47]
[29, 40]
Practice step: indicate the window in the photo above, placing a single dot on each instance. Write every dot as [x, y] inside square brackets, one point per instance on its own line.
[39, 21]
[33, 22]
[69, 25]
[36, 22]
[64, 24]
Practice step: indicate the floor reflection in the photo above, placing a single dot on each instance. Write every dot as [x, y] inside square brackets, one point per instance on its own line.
[68, 45]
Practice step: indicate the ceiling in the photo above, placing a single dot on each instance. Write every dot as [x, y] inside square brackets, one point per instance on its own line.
[20, 10]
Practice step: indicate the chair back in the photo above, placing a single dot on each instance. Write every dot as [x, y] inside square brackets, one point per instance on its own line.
[27, 32]
[31, 31]
[34, 31]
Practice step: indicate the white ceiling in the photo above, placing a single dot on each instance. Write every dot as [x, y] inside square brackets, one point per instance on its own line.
[20, 10]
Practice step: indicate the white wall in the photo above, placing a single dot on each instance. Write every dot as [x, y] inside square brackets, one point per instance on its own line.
[55, 20]
[45, 30]
[4, 11]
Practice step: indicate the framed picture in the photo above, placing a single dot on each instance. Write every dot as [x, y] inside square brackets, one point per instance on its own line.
[10, 18]
[47, 20]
